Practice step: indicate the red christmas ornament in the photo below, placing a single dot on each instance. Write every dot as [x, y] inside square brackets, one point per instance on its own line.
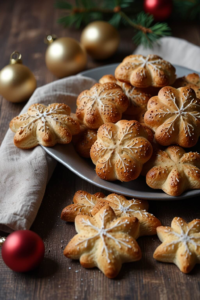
[23, 250]
[160, 9]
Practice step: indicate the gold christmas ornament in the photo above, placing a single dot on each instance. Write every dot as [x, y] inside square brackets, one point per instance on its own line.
[64, 56]
[17, 82]
[100, 39]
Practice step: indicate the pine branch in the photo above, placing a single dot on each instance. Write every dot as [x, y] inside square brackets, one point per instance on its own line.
[88, 10]
[154, 32]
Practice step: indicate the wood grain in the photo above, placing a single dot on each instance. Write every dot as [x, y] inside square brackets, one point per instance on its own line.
[23, 25]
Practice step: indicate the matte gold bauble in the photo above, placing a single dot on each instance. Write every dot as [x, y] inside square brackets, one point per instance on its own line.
[17, 82]
[65, 56]
[100, 39]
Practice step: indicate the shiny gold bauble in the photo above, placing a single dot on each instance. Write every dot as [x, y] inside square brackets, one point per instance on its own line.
[100, 39]
[65, 56]
[17, 82]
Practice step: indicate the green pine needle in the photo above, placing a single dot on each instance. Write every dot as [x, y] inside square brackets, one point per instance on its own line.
[115, 20]
[86, 11]
[158, 30]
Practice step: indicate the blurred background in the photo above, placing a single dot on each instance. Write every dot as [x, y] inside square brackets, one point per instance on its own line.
[24, 25]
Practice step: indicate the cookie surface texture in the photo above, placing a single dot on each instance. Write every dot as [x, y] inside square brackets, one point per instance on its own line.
[173, 171]
[191, 80]
[104, 241]
[84, 203]
[101, 104]
[174, 116]
[44, 125]
[132, 208]
[121, 150]
[138, 99]
[142, 72]
[180, 244]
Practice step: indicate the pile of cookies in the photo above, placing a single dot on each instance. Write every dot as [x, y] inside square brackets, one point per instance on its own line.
[136, 122]
[124, 124]
[107, 229]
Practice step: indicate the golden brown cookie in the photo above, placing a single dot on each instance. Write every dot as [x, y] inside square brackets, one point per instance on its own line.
[84, 140]
[173, 171]
[149, 131]
[132, 208]
[191, 80]
[153, 91]
[138, 99]
[180, 244]
[108, 78]
[44, 125]
[121, 150]
[142, 72]
[174, 115]
[104, 241]
[101, 104]
[84, 203]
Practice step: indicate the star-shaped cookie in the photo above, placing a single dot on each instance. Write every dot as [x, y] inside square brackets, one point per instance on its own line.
[104, 241]
[180, 244]
[142, 72]
[174, 115]
[173, 170]
[101, 104]
[132, 208]
[120, 150]
[84, 203]
[44, 125]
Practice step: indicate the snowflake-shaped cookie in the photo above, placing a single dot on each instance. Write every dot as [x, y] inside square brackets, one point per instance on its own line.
[191, 80]
[121, 150]
[141, 71]
[173, 171]
[101, 104]
[180, 244]
[84, 203]
[138, 99]
[104, 241]
[174, 115]
[132, 208]
[44, 125]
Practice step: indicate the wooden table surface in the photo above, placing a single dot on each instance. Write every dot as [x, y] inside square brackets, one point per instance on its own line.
[23, 26]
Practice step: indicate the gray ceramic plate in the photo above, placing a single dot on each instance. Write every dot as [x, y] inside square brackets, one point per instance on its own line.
[84, 168]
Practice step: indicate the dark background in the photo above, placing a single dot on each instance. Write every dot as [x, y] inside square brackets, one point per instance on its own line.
[23, 26]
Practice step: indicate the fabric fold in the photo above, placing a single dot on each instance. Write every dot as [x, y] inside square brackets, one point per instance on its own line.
[24, 174]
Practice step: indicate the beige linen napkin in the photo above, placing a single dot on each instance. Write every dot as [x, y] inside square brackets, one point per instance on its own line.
[176, 51]
[24, 173]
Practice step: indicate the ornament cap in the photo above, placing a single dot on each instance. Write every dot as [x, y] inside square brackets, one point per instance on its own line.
[15, 58]
[50, 38]
[2, 240]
